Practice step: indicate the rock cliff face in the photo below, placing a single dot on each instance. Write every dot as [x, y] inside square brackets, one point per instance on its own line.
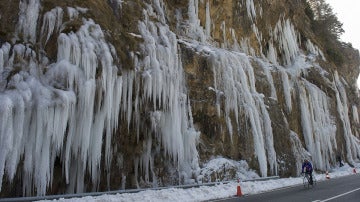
[104, 95]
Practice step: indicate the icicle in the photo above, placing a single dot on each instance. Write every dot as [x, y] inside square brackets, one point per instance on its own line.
[272, 54]
[6, 132]
[355, 114]
[51, 22]
[28, 16]
[47, 106]
[73, 13]
[208, 20]
[235, 46]
[267, 68]
[223, 29]
[4, 55]
[164, 85]
[258, 35]
[158, 6]
[305, 120]
[285, 35]
[318, 128]
[234, 76]
[314, 49]
[267, 133]
[118, 3]
[251, 10]
[194, 30]
[287, 88]
[298, 150]
[246, 47]
[352, 148]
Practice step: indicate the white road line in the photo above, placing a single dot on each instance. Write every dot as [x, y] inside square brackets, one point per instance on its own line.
[337, 196]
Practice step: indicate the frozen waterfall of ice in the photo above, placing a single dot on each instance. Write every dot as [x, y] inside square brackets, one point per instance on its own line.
[67, 110]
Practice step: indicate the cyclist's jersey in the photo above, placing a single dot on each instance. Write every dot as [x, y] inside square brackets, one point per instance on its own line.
[307, 166]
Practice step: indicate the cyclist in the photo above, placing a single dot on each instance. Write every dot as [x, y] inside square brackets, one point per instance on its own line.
[307, 169]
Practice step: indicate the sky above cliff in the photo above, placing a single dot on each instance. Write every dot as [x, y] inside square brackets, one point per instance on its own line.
[348, 13]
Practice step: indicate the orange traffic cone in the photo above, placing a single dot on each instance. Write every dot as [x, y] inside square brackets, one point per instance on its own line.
[327, 175]
[354, 170]
[238, 191]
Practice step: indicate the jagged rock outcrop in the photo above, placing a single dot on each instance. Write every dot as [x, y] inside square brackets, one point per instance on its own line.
[104, 95]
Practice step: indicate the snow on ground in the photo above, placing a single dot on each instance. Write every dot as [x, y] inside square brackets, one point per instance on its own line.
[221, 190]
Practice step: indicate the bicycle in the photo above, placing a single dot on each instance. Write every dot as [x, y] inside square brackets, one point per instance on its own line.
[306, 180]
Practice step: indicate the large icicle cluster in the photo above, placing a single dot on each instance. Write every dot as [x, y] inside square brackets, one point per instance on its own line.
[285, 35]
[164, 86]
[234, 79]
[352, 142]
[70, 103]
[298, 150]
[71, 111]
[319, 129]
[234, 76]
[67, 109]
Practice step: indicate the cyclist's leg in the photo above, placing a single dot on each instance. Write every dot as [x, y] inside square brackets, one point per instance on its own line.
[311, 178]
[307, 175]
[305, 181]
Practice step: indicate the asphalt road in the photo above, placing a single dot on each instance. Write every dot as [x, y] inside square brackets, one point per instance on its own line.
[344, 189]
